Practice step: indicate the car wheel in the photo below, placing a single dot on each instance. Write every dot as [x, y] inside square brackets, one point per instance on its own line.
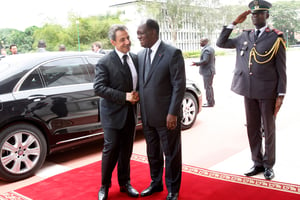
[190, 111]
[23, 151]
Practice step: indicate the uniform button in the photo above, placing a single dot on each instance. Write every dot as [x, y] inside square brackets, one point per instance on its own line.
[254, 45]
[250, 73]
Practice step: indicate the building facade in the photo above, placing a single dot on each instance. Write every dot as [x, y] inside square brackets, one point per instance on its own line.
[186, 38]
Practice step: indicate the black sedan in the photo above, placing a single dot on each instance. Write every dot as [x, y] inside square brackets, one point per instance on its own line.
[47, 103]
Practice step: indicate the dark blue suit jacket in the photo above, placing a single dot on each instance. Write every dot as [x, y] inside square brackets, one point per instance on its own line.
[112, 81]
[163, 91]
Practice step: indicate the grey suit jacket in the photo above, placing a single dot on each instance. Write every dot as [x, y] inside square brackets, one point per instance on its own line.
[207, 61]
[112, 81]
[253, 79]
[163, 91]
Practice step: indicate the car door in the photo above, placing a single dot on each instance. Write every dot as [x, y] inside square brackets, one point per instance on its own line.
[67, 104]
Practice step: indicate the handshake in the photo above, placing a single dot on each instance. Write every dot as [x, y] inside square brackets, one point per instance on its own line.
[193, 64]
[132, 97]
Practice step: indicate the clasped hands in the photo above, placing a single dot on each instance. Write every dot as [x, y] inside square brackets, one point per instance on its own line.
[132, 97]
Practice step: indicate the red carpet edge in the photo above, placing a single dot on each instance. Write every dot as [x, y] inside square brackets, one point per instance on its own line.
[255, 182]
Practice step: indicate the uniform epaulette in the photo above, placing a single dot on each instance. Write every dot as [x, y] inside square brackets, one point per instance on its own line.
[278, 32]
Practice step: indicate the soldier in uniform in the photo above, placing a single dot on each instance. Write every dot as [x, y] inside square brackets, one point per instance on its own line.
[259, 76]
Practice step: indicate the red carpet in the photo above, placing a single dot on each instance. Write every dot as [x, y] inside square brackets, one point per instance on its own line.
[197, 183]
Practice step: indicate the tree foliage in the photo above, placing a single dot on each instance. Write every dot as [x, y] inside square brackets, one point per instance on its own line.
[285, 16]
[91, 29]
[23, 40]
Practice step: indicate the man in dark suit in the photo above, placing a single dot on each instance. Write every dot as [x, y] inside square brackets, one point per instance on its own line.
[116, 82]
[260, 76]
[161, 90]
[97, 48]
[207, 70]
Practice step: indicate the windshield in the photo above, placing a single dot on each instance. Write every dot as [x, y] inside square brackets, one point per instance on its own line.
[9, 67]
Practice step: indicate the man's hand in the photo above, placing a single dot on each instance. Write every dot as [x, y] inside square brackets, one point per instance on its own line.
[241, 18]
[278, 103]
[132, 97]
[171, 122]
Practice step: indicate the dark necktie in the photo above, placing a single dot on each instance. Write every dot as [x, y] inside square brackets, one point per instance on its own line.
[127, 69]
[257, 34]
[147, 64]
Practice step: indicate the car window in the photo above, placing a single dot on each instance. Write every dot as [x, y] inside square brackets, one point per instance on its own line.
[65, 72]
[33, 81]
[93, 61]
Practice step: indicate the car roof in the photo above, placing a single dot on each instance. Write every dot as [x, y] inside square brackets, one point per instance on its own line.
[25, 62]
[15, 66]
[36, 58]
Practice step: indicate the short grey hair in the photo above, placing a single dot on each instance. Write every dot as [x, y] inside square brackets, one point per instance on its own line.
[114, 28]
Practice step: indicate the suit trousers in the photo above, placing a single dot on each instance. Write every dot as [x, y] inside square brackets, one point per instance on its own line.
[208, 86]
[118, 144]
[168, 142]
[260, 112]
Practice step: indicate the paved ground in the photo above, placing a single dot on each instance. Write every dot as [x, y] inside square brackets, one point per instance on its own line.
[218, 139]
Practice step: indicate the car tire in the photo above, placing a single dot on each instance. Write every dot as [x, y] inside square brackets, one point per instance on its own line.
[190, 110]
[23, 150]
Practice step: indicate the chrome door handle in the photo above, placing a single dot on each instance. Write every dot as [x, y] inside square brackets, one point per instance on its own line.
[36, 98]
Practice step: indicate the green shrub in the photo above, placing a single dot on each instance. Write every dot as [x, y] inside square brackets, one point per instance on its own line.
[196, 54]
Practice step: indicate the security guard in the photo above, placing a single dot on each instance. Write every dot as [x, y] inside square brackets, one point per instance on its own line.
[259, 76]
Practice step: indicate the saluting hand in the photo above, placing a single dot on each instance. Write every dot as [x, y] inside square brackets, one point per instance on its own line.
[241, 18]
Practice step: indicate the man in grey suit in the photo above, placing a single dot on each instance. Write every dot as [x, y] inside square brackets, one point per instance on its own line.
[161, 89]
[260, 76]
[207, 70]
[116, 83]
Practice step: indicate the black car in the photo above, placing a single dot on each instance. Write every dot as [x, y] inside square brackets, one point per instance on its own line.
[47, 103]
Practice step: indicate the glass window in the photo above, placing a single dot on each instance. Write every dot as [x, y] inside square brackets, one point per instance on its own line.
[65, 72]
[93, 61]
[33, 81]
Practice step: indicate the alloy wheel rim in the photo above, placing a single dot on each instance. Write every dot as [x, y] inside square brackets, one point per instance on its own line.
[20, 152]
[189, 111]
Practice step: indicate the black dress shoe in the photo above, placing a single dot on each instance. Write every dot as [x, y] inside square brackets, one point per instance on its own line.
[103, 193]
[269, 174]
[129, 190]
[151, 189]
[172, 196]
[207, 105]
[254, 170]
